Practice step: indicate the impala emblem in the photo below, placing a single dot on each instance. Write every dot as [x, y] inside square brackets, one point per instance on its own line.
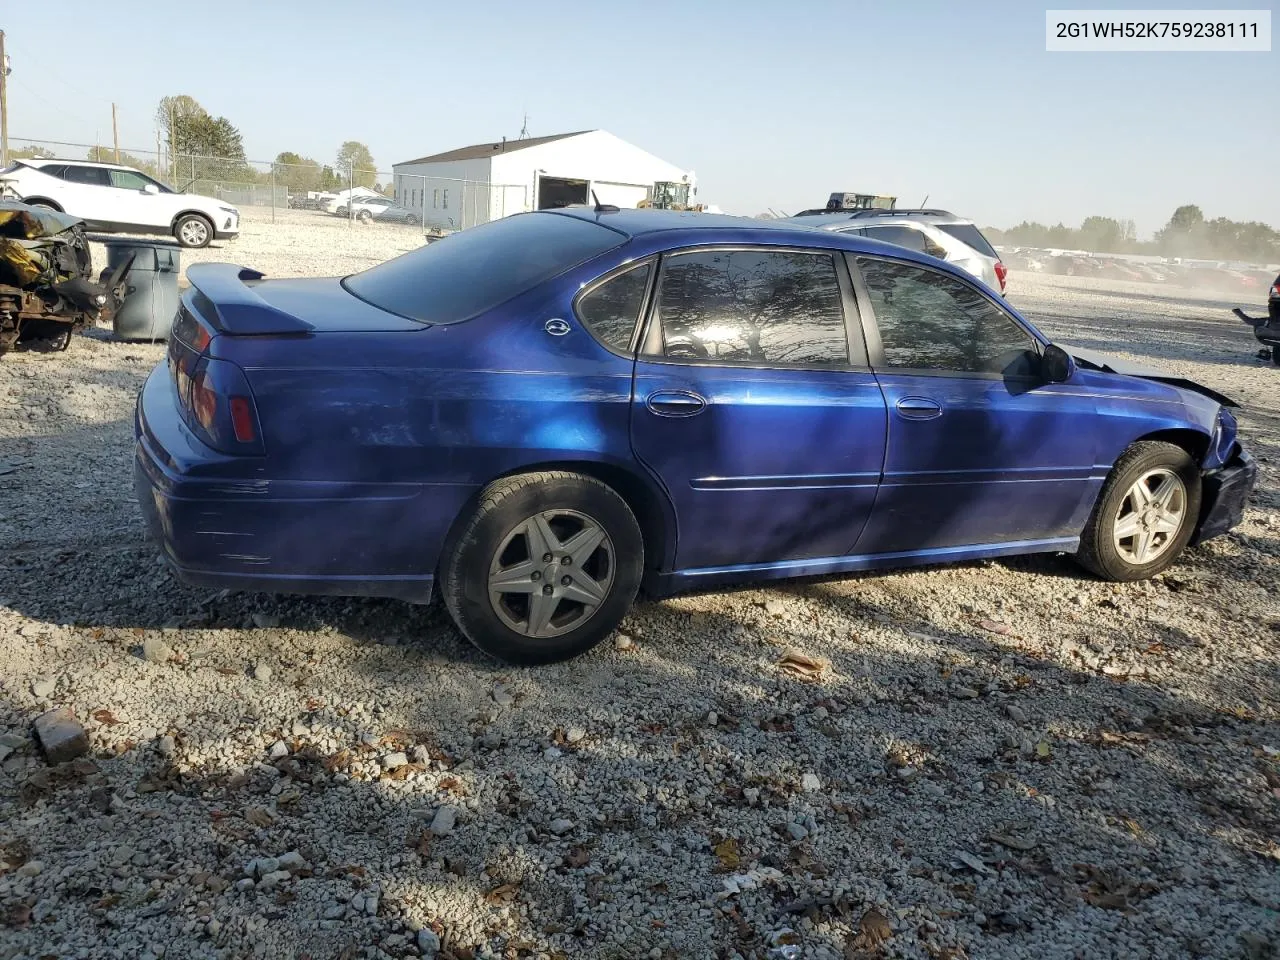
[556, 327]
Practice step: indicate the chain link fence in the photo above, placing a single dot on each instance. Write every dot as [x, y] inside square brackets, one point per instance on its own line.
[434, 204]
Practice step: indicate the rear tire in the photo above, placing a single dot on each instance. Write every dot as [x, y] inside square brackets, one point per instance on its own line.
[43, 204]
[1145, 514]
[193, 231]
[513, 603]
[364, 216]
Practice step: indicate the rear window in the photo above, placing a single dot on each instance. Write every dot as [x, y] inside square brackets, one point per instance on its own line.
[474, 270]
[968, 233]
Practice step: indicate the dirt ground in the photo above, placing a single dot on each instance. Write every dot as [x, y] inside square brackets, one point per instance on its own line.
[1004, 759]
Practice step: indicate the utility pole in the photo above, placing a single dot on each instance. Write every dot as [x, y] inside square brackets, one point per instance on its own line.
[115, 133]
[4, 104]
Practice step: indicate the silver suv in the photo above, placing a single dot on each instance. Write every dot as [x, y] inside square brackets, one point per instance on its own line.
[934, 232]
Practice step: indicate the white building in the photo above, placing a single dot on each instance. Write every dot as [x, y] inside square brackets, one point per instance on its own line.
[460, 188]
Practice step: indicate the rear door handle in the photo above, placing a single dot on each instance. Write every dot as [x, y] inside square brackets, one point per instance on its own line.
[675, 403]
[918, 408]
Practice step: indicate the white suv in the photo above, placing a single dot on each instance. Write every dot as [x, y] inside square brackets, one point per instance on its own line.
[116, 199]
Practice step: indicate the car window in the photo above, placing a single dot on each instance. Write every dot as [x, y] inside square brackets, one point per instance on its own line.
[476, 269]
[93, 176]
[611, 310]
[752, 306]
[931, 321]
[128, 180]
[899, 236]
[53, 170]
[967, 233]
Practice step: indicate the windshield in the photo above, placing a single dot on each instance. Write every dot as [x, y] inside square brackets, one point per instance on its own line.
[971, 235]
[474, 270]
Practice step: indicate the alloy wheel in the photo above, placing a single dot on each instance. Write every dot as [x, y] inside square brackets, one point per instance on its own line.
[551, 573]
[1150, 516]
[194, 233]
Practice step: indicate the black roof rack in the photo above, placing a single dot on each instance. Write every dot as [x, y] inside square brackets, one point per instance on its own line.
[899, 212]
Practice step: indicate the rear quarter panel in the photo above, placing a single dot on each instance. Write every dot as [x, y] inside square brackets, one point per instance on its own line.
[445, 409]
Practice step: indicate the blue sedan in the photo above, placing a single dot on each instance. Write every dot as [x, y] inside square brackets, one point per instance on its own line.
[538, 416]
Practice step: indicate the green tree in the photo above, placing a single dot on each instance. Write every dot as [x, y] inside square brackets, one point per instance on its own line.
[355, 163]
[299, 174]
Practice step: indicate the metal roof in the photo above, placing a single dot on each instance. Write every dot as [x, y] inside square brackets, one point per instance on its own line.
[480, 150]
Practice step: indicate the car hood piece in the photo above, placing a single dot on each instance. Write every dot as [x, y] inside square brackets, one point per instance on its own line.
[1110, 364]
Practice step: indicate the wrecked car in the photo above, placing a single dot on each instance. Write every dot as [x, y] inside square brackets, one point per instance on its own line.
[1267, 329]
[47, 290]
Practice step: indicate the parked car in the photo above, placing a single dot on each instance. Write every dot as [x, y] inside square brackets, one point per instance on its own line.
[934, 232]
[384, 211]
[535, 415]
[115, 199]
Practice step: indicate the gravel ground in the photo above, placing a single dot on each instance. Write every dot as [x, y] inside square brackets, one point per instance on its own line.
[1003, 759]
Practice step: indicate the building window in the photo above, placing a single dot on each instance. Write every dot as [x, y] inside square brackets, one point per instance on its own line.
[435, 199]
[446, 198]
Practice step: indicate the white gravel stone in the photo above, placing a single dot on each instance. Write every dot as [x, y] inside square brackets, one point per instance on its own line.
[42, 689]
[443, 822]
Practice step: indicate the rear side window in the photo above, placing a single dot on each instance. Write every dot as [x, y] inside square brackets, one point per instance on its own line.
[967, 233]
[474, 270]
[611, 310]
[752, 306]
[93, 176]
[898, 236]
[937, 323]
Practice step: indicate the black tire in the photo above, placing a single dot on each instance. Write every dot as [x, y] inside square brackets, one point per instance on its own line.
[43, 204]
[1275, 355]
[186, 231]
[1098, 548]
[364, 216]
[504, 506]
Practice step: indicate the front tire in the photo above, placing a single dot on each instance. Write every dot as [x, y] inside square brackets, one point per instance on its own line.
[193, 231]
[544, 569]
[1145, 515]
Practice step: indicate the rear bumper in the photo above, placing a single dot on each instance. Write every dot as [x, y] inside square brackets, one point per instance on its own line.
[1224, 494]
[218, 525]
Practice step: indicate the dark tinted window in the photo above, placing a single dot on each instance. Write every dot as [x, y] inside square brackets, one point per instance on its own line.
[929, 321]
[474, 270]
[94, 176]
[612, 309]
[968, 233]
[900, 236]
[752, 306]
[56, 170]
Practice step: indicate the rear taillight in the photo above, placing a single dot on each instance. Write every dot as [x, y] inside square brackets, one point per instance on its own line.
[1001, 272]
[243, 422]
[219, 408]
[204, 400]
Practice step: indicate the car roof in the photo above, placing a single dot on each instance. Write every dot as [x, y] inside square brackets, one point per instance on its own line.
[57, 161]
[679, 228]
[851, 219]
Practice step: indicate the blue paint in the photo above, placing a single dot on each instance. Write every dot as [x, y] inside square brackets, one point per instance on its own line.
[378, 432]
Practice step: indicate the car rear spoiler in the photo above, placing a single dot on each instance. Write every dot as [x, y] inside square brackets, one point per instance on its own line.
[221, 296]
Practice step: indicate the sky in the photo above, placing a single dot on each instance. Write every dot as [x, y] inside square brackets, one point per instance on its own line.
[772, 104]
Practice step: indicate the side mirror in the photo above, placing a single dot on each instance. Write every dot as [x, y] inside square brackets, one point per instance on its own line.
[151, 188]
[1056, 364]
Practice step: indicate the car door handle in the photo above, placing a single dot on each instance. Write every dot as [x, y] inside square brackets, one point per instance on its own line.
[918, 408]
[675, 403]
